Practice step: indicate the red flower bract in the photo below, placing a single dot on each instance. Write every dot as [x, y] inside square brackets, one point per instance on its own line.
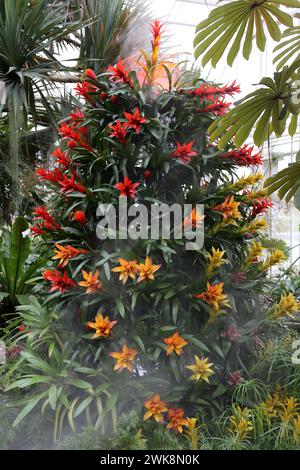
[244, 157]
[261, 206]
[118, 131]
[219, 107]
[184, 152]
[68, 185]
[79, 216]
[119, 74]
[135, 120]
[60, 282]
[127, 188]
[62, 158]
[89, 73]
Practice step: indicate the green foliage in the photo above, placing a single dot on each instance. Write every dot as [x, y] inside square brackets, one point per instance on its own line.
[265, 110]
[240, 21]
[17, 273]
[286, 181]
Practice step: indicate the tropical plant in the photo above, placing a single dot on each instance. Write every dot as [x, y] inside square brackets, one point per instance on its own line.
[19, 269]
[139, 323]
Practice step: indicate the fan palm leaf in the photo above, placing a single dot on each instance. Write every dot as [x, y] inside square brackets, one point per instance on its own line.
[237, 23]
[265, 110]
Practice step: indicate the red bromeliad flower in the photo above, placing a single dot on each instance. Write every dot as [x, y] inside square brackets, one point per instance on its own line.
[89, 73]
[119, 74]
[261, 206]
[62, 158]
[68, 185]
[54, 176]
[244, 157]
[219, 107]
[156, 30]
[184, 152]
[76, 135]
[48, 221]
[229, 89]
[209, 92]
[118, 131]
[127, 188]
[85, 89]
[135, 120]
[79, 216]
[59, 281]
[77, 116]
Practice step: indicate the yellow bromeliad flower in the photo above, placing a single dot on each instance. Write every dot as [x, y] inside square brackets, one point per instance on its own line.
[124, 358]
[256, 195]
[270, 406]
[65, 253]
[192, 432]
[126, 269]
[240, 423]
[254, 226]
[296, 424]
[147, 270]
[288, 306]
[254, 251]
[275, 257]
[246, 181]
[91, 281]
[215, 259]
[103, 326]
[229, 209]
[202, 369]
[214, 296]
[156, 407]
[175, 343]
[289, 409]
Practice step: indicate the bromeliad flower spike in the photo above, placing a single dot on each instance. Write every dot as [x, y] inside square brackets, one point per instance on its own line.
[145, 320]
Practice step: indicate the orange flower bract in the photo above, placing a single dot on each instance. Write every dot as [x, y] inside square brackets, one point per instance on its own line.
[126, 269]
[214, 296]
[155, 408]
[103, 326]
[176, 420]
[147, 270]
[124, 358]
[175, 343]
[65, 253]
[91, 282]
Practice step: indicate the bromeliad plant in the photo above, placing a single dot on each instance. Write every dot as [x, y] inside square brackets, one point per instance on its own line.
[144, 323]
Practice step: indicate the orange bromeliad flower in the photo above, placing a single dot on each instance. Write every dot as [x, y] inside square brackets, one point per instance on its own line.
[176, 419]
[126, 269]
[91, 281]
[103, 326]
[194, 219]
[175, 343]
[65, 253]
[229, 208]
[124, 358]
[156, 407]
[214, 296]
[147, 270]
